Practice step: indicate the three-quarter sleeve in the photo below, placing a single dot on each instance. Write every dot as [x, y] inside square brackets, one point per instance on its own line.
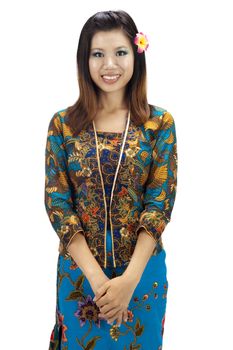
[58, 191]
[160, 189]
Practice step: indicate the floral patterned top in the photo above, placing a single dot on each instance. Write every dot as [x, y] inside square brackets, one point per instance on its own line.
[144, 186]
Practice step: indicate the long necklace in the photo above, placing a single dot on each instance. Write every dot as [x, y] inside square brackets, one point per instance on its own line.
[114, 181]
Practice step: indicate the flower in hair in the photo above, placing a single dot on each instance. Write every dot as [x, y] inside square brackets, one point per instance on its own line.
[142, 42]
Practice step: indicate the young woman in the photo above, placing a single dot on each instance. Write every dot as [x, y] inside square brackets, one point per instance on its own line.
[110, 187]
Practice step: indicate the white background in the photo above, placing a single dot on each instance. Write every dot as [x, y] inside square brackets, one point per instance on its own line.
[189, 64]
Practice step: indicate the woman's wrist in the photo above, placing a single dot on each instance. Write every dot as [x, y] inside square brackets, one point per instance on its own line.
[142, 253]
[95, 275]
[132, 278]
[81, 254]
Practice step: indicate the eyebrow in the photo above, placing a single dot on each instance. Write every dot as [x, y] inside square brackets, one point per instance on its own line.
[118, 47]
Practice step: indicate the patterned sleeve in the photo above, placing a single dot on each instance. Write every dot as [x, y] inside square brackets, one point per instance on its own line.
[160, 191]
[58, 195]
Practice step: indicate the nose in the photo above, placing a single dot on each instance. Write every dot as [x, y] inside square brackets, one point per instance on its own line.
[110, 61]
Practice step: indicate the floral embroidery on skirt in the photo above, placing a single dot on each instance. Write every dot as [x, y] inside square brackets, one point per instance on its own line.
[77, 324]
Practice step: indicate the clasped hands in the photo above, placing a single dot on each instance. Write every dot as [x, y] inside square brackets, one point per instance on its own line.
[113, 298]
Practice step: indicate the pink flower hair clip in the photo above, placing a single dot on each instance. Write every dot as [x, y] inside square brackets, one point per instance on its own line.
[142, 42]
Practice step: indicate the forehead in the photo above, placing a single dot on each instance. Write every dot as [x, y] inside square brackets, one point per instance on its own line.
[112, 38]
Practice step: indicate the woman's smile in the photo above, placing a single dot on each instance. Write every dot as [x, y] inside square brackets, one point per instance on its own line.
[110, 79]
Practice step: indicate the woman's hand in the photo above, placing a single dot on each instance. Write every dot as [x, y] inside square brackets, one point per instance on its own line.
[97, 282]
[114, 296]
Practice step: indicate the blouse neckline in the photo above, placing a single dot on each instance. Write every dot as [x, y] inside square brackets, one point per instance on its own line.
[109, 132]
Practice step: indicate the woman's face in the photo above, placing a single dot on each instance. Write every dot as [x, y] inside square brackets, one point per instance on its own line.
[111, 54]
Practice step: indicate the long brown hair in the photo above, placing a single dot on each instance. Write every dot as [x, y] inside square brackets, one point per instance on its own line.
[79, 115]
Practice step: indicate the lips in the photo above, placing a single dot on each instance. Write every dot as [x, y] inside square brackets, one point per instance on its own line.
[111, 78]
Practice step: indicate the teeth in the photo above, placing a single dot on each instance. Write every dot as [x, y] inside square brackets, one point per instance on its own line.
[112, 77]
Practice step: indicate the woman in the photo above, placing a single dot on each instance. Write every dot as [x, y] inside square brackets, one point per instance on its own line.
[110, 187]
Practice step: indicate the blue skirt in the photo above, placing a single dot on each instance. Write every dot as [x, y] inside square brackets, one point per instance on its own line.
[77, 325]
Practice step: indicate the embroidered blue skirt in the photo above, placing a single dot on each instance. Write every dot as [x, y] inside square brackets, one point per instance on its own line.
[77, 325]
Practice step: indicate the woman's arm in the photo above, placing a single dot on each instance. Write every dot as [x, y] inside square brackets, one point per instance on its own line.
[159, 195]
[58, 189]
[82, 255]
[142, 252]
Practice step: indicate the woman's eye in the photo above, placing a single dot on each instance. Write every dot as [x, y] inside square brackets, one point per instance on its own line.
[97, 53]
[124, 52]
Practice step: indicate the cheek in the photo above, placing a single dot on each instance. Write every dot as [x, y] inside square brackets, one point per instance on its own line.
[128, 65]
[93, 67]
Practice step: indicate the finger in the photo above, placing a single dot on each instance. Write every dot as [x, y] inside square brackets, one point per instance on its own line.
[111, 313]
[119, 320]
[103, 309]
[125, 315]
[106, 308]
[115, 317]
[106, 304]
[101, 291]
[103, 300]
